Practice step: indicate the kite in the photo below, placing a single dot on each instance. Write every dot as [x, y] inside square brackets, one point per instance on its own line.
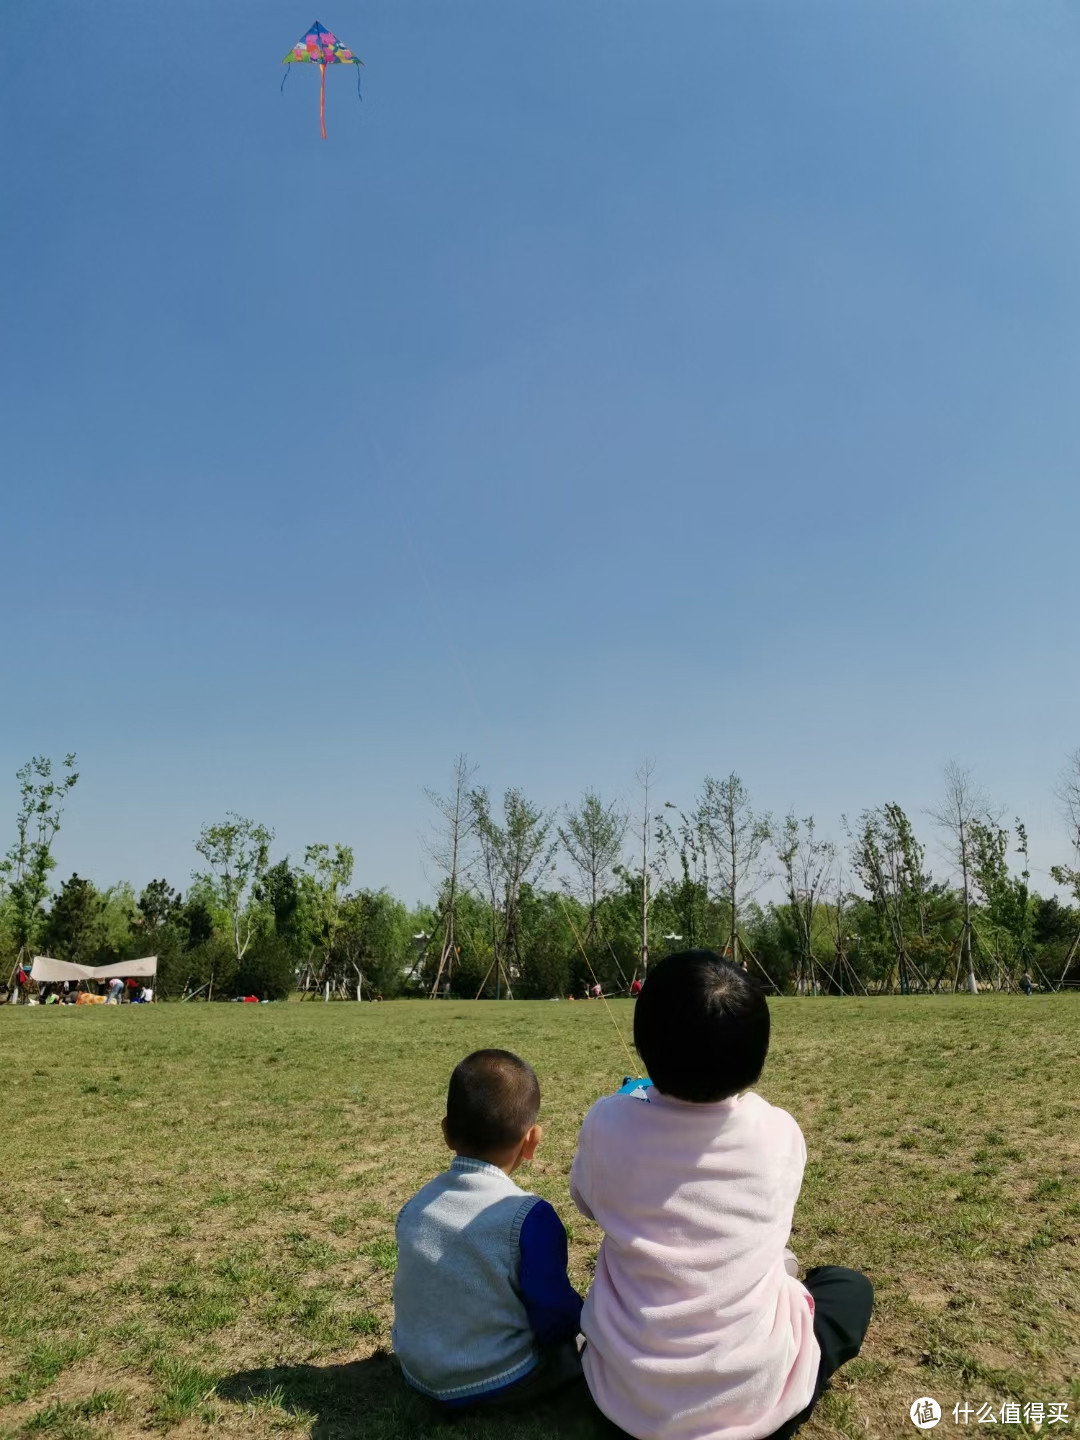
[319, 47]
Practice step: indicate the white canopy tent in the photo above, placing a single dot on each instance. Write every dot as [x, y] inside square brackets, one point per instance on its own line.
[47, 971]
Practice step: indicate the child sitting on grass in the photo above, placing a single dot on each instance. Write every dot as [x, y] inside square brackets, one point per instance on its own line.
[483, 1310]
[696, 1326]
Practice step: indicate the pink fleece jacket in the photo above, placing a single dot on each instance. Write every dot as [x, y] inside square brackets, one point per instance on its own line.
[696, 1330]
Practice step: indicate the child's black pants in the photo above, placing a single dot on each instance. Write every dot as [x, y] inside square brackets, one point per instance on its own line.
[843, 1301]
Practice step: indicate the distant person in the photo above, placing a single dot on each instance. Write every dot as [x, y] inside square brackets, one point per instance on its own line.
[597, 991]
[1026, 984]
[114, 992]
[635, 987]
[696, 1324]
[484, 1313]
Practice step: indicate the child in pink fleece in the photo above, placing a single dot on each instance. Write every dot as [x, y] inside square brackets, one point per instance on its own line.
[696, 1325]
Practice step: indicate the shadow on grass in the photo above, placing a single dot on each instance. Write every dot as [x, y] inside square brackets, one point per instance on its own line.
[368, 1400]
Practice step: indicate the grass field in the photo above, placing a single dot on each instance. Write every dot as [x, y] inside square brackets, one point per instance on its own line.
[197, 1203]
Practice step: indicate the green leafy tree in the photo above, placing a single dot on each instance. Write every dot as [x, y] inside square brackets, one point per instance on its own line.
[159, 905]
[120, 928]
[326, 875]
[770, 936]
[682, 850]
[26, 867]
[238, 853]
[170, 928]
[889, 861]
[197, 919]
[281, 889]
[736, 836]
[592, 837]
[190, 936]
[73, 930]
[472, 933]
[1005, 898]
[373, 941]
[210, 966]
[515, 853]
[268, 968]
[548, 943]
[618, 951]
[1054, 928]
[1051, 921]
[806, 862]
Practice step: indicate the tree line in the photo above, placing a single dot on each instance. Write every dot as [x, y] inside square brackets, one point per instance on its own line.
[535, 903]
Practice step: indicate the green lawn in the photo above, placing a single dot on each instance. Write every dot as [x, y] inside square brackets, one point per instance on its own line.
[197, 1202]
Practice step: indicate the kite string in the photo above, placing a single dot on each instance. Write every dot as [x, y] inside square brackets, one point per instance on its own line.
[288, 72]
[592, 972]
[611, 948]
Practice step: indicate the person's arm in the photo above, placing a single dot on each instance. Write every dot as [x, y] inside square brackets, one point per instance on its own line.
[576, 1178]
[791, 1181]
[551, 1302]
[580, 1188]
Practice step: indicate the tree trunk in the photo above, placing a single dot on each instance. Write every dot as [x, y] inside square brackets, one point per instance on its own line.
[732, 898]
[972, 983]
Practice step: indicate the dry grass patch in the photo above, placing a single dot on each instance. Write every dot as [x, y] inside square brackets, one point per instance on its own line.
[196, 1219]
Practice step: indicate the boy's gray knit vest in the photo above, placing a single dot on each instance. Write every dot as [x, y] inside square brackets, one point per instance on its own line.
[460, 1327]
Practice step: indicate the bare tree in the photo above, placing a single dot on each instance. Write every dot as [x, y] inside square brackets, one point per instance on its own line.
[737, 837]
[644, 779]
[963, 806]
[516, 853]
[593, 838]
[1067, 791]
[448, 848]
[806, 862]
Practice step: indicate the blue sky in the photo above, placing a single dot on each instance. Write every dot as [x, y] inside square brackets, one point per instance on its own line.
[695, 380]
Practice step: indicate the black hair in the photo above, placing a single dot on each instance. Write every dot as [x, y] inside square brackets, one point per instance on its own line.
[493, 1099]
[701, 1025]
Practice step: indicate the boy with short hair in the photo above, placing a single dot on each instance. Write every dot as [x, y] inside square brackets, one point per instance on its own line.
[696, 1325]
[483, 1309]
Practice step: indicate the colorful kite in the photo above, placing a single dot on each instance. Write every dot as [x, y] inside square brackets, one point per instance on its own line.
[319, 47]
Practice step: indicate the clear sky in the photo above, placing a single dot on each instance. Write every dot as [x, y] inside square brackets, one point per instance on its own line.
[695, 379]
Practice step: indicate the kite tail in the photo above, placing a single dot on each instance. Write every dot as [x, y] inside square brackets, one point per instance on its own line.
[358, 95]
[322, 100]
[288, 71]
